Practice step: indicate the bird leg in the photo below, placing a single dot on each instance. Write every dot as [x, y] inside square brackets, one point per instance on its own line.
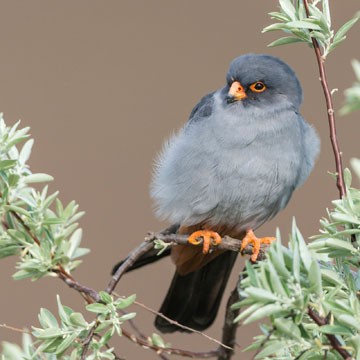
[251, 238]
[209, 237]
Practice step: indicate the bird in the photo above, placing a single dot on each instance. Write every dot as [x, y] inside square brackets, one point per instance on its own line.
[231, 168]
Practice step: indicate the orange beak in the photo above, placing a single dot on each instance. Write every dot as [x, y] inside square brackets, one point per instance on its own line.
[237, 91]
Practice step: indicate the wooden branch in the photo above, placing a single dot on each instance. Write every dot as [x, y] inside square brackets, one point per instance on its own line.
[227, 243]
[230, 327]
[177, 323]
[332, 338]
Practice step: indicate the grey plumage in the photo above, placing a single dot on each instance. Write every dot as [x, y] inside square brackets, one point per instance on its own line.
[238, 163]
[232, 167]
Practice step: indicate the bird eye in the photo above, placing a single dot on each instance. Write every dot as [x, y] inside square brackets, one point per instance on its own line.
[259, 86]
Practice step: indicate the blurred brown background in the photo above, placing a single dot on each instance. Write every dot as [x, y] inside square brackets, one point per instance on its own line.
[102, 84]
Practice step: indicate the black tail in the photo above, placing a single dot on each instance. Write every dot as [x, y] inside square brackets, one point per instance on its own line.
[193, 300]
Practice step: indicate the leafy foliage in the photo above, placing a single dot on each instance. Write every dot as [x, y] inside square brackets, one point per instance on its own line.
[323, 275]
[45, 234]
[294, 21]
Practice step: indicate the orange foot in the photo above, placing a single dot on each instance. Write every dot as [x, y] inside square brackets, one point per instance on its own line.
[210, 237]
[251, 238]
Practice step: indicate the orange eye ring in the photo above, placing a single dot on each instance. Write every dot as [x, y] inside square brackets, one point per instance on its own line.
[259, 86]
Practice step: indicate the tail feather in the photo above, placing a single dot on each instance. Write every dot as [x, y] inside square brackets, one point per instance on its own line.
[193, 300]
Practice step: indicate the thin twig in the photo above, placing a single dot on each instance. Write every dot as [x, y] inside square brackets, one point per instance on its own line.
[15, 329]
[340, 183]
[87, 341]
[142, 342]
[176, 323]
[142, 249]
[332, 338]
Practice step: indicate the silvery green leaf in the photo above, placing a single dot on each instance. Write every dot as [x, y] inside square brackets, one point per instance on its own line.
[107, 336]
[48, 333]
[66, 343]
[288, 328]
[355, 164]
[124, 303]
[97, 308]
[275, 281]
[248, 311]
[127, 316]
[157, 340]
[296, 262]
[326, 11]
[304, 24]
[11, 351]
[331, 277]
[335, 330]
[64, 311]
[279, 16]
[303, 249]
[285, 40]
[7, 164]
[277, 26]
[336, 43]
[17, 209]
[349, 320]
[356, 66]
[13, 180]
[35, 178]
[22, 274]
[345, 218]
[47, 319]
[318, 36]
[264, 311]
[288, 8]
[77, 319]
[345, 28]
[9, 251]
[105, 297]
[25, 152]
[315, 278]
[74, 241]
[261, 294]
[271, 348]
[347, 177]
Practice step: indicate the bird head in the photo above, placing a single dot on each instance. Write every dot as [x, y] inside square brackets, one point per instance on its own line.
[261, 80]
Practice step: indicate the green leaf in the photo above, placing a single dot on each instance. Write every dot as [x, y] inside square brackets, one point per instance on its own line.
[47, 319]
[66, 343]
[315, 278]
[264, 311]
[345, 28]
[335, 330]
[124, 303]
[261, 294]
[285, 40]
[304, 24]
[48, 333]
[349, 321]
[7, 164]
[36, 178]
[127, 317]
[97, 308]
[288, 8]
[271, 348]
[288, 328]
[77, 319]
[105, 297]
[157, 340]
